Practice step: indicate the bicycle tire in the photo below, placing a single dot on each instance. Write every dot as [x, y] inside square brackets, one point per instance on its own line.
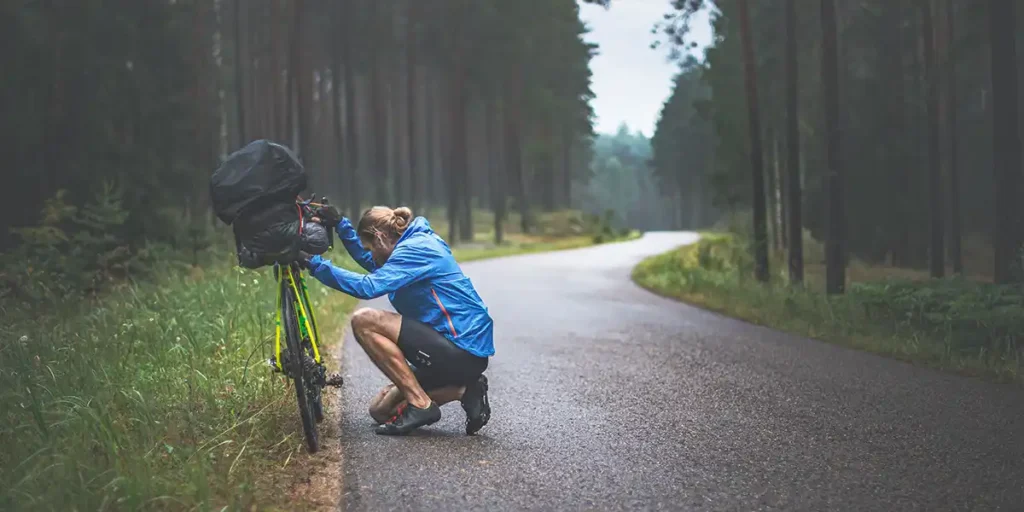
[316, 390]
[297, 369]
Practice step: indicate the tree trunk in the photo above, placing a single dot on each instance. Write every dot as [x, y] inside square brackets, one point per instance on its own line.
[258, 78]
[568, 145]
[444, 137]
[937, 254]
[351, 118]
[892, 49]
[338, 70]
[1006, 139]
[495, 160]
[782, 192]
[378, 100]
[456, 150]
[202, 102]
[770, 187]
[379, 170]
[677, 208]
[920, 239]
[241, 56]
[468, 180]
[431, 136]
[397, 132]
[466, 194]
[756, 150]
[278, 109]
[287, 115]
[955, 251]
[695, 203]
[545, 185]
[514, 150]
[835, 243]
[301, 68]
[411, 117]
[514, 159]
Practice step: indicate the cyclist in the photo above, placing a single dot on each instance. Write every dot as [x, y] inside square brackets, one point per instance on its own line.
[436, 348]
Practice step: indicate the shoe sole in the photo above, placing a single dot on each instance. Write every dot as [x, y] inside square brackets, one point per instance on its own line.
[473, 425]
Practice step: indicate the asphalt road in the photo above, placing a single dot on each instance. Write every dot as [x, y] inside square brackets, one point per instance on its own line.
[606, 397]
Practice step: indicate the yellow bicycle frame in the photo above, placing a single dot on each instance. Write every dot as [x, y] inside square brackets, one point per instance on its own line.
[305, 316]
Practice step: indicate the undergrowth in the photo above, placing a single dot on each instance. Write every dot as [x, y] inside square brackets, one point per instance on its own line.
[156, 396]
[950, 323]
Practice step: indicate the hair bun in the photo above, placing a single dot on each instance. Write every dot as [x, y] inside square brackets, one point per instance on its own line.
[401, 217]
[383, 219]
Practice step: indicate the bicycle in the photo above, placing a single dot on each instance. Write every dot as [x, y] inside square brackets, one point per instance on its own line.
[302, 361]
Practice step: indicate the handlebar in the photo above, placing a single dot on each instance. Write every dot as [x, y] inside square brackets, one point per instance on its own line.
[307, 203]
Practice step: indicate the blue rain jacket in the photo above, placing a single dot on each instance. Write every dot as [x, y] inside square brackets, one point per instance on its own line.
[423, 282]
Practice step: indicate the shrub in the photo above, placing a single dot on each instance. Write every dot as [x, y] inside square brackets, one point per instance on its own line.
[954, 322]
[603, 228]
[83, 250]
[969, 316]
[562, 223]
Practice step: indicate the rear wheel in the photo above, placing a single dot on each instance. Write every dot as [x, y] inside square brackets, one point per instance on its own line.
[306, 389]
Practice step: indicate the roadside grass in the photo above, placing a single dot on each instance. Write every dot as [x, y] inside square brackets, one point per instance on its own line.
[525, 244]
[954, 324]
[555, 231]
[157, 395]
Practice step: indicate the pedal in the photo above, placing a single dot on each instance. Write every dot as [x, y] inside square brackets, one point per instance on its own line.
[273, 365]
[334, 381]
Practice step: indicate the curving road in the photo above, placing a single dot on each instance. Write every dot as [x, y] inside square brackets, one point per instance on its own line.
[607, 397]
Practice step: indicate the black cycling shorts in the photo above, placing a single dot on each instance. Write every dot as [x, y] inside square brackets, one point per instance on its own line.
[436, 361]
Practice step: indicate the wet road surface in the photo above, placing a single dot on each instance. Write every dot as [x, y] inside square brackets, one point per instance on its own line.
[606, 397]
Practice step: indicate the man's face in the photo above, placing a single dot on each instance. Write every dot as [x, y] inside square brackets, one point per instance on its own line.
[379, 248]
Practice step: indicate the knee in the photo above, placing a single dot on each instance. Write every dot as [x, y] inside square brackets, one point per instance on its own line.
[365, 319]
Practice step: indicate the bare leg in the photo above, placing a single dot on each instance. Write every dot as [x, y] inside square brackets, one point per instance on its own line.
[377, 332]
[386, 403]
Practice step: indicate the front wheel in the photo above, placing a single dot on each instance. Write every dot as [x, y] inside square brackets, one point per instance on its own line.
[317, 373]
[306, 392]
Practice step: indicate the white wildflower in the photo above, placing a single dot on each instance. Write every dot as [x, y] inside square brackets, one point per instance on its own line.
[23, 338]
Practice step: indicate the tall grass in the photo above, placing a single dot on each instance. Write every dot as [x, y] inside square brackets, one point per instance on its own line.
[953, 323]
[156, 397]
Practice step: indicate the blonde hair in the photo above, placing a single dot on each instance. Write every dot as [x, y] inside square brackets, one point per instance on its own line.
[384, 220]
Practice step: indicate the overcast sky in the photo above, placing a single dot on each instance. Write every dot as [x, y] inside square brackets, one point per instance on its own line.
[630, 79]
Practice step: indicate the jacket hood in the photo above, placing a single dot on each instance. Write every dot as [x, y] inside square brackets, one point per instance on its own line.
[418, 225]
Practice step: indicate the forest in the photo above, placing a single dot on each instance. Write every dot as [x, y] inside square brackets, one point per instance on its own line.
[123, 109]
[866, 159]
[888, 130]
[853, 170]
